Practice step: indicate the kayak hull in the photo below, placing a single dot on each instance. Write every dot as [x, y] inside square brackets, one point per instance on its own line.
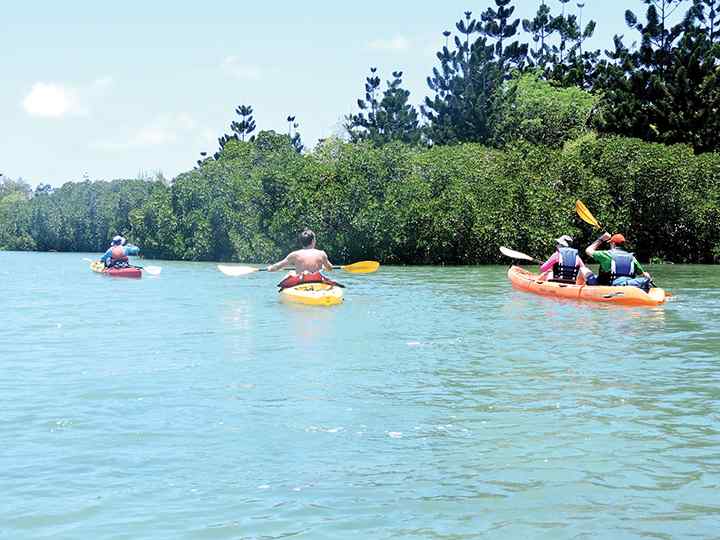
[524, 280]
[313, 294]
[130, 272]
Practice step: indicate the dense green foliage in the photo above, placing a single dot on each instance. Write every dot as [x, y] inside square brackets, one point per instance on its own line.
[533, 110]
[397, 203]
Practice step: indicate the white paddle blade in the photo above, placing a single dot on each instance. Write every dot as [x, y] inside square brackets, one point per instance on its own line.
[515, 254]
[153, 270]
[236, 271]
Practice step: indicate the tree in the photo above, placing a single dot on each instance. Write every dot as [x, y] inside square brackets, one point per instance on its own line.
[390, 118]
[497, 25]
[541, 28]
[240, 129]
[666, 89]
[533, 110]
[294, 135]
[465, 88]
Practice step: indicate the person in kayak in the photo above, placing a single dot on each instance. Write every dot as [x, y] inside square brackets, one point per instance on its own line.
[306, 260]
[308, 263]
[617, 266]
[117, 254]
[566, 265]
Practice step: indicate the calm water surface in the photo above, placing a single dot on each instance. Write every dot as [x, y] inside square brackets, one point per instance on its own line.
[435, 403]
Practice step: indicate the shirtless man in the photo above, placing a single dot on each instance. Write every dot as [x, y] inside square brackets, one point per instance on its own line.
[308, 259]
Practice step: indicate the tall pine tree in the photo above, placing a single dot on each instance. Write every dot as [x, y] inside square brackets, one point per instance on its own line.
[385, 118]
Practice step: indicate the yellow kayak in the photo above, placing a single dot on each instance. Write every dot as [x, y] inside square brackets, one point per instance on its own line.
[313, 294]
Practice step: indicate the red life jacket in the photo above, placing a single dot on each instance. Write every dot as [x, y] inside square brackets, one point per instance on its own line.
[117, 253]
[315, 277]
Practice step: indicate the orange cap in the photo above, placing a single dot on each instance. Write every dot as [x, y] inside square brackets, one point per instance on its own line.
[617, 238]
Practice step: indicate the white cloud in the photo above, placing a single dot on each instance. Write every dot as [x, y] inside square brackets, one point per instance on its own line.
[397, 43]
[51, 100]
[247, 72]
[164, 130]
[58, 100]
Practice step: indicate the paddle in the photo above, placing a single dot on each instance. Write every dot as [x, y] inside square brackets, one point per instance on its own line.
[517, 255]
[586, 215]
[362, 267]
[152, 270]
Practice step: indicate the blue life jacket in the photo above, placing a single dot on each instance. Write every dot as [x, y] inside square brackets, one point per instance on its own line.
[623, 264]
[565, 269]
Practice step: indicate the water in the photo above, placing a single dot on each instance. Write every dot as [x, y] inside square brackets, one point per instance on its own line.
[435, 403]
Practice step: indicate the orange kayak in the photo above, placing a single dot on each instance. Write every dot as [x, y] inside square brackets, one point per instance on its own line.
[523, 280]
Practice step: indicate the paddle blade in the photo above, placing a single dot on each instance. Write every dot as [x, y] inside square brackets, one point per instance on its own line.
[516, 255]
[585, 214]
[362, 267]
[153, 270]
[236, 271]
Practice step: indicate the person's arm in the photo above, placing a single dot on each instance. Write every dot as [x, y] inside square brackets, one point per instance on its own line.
[106, 256]
[326, 262]
[592, 248]
[641, 270]
[287, 261]
[547, 265]
[131, 249]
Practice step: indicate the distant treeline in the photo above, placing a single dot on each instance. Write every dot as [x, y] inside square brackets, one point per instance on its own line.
[511, 134]
[397, 203]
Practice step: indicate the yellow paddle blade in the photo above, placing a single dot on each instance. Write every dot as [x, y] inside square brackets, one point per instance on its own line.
[585, 214]
[362, 267]
[236, 271]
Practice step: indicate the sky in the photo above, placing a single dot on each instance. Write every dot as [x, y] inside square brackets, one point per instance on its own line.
[114, 90]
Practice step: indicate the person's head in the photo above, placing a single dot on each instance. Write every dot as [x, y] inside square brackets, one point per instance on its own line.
[118, 240]
[307, 239]
[617, 240]
[564, 241]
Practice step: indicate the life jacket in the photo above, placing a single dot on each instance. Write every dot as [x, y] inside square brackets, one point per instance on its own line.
[117, 254]
[306, 277]
[566, 269]
[623, 264]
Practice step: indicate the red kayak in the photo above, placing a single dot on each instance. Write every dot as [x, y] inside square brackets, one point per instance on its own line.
[129, 272]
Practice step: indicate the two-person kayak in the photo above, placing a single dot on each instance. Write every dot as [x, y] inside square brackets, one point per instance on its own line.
[526, 281]
[126, 272]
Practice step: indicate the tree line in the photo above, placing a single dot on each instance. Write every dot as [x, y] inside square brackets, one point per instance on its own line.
[511, 134]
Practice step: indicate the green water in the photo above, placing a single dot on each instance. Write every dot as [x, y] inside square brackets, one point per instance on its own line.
[434, 403]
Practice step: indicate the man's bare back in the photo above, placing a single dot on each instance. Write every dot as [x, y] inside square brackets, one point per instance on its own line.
[307, 259]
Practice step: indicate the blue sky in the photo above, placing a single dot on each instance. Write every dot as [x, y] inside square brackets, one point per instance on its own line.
[111, 90]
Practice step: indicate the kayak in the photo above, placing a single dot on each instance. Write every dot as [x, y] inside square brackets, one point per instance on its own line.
[129, 272]
[526, 281]
[313, 294]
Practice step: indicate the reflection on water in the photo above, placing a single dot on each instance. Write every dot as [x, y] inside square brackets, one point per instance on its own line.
[434, 403]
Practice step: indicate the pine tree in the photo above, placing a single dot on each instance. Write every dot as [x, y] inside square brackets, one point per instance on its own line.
[497, 25]
[465, 87]
[573, 65]
[667, 89]
[390, 118]
[541, 28]
[294, 135]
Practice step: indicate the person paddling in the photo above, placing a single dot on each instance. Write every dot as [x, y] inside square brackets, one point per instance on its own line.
[117, 254]
[306, 260]
[566, 265]
[617, 266]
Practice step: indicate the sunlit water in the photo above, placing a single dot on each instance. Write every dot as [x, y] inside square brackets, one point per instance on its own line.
[434, 403]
